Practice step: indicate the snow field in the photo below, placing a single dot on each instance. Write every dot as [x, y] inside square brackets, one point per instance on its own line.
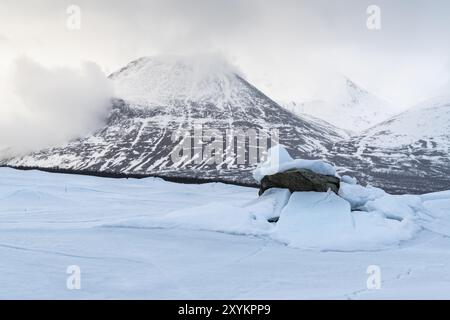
[154, 239]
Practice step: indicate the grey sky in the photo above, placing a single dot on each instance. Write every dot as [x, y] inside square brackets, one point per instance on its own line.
[285, 47]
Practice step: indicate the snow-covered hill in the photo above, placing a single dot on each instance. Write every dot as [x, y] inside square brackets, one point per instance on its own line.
[345, 105]
[160, 96]
[410, 150]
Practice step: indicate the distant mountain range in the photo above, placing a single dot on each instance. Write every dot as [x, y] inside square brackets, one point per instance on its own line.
[347, 106]
[409, 152]
[159, 96]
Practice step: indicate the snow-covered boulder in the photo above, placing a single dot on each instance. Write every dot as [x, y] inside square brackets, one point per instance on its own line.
[279, 160]
[311, 216]
[281, 171]
[300, 180]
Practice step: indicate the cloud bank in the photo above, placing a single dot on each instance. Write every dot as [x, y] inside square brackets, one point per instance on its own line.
[285, 47]
[42, 107]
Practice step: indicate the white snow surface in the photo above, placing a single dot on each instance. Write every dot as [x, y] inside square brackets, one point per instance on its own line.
[154, 239]
[279, 160]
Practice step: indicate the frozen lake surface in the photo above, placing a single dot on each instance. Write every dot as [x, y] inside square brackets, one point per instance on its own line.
[151, 239]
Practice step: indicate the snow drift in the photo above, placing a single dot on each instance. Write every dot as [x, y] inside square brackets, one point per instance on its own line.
[360, 218]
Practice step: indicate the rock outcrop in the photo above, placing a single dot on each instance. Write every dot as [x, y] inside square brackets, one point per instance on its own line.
[299, 180]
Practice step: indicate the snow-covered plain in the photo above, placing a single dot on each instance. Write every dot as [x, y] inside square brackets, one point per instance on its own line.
[151, 239]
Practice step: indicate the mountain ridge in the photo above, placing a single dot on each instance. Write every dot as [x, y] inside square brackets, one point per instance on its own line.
[346, 105]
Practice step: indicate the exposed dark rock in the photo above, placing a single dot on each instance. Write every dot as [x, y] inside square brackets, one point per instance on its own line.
[300, 180]
[273, 220]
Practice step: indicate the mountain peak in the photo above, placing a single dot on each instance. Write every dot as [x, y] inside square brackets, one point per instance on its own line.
[345, 104]
[162, 80]
[353, 86]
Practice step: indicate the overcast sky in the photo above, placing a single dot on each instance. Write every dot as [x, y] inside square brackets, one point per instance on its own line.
[285, 47]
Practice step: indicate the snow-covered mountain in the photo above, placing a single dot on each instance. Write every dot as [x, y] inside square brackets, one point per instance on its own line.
[345, 105]
[160, 96]
[410, 151]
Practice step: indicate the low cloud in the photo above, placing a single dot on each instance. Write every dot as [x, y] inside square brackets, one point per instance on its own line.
[42, 107]
[285, 47]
